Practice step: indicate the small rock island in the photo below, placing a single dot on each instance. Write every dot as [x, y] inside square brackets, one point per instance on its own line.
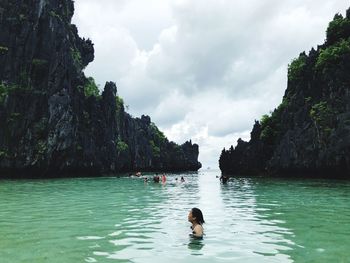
[53, 119]
[309, 132]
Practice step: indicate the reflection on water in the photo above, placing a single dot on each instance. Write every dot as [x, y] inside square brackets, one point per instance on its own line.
[315, 210]
[126, 220]
[195, 244]
[253, 236]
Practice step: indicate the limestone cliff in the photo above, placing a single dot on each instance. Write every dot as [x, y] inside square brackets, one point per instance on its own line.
[309, 133]
[53, 120]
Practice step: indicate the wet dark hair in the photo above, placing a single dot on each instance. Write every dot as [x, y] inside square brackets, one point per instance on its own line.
[197, 213]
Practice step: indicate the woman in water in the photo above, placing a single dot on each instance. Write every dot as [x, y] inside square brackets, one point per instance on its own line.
[196, 218]
[163, 179]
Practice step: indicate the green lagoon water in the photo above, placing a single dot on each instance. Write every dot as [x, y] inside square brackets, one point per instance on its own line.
[114, 219]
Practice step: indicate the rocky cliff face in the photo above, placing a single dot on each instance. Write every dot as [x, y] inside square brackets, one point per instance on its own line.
[309, 133]
[53, 120]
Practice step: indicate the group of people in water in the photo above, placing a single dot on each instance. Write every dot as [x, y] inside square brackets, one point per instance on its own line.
[162, 178]
[195, 216]
[156, 178]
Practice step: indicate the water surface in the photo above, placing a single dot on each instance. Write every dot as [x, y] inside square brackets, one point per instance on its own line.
[125, 220]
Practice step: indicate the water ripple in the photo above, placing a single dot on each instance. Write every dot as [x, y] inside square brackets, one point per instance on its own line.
[126, 220]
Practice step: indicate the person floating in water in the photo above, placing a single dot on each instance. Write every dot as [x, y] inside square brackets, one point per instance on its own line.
[182, 179]
[195, 217]
[223, 179]
[156, 178]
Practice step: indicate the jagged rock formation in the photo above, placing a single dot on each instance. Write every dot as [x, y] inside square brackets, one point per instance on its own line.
[53, 121]
[309, 133]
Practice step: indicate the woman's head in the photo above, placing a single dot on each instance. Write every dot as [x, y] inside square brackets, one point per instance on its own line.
[196, 215]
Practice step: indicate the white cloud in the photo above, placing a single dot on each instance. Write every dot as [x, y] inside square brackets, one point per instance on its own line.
[202, 70]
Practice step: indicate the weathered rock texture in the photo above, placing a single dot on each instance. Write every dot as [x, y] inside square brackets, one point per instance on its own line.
[53, 121]
[309, 133]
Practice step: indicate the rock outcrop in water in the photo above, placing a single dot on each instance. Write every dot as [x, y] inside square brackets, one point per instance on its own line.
[309, 132]
[53, 120]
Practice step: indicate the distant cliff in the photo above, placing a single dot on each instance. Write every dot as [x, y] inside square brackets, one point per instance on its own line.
[309, 132]
[53, 120]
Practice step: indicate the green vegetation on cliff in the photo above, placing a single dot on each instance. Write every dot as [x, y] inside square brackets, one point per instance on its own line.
[54, 120]
[309, 131]
[323, 118]
[90, 88]
[119, 104]
[270, 124]
[296, 68]
[333, 56]
[338, 29]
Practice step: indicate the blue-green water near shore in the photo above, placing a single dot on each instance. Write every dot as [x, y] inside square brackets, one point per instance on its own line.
[113, 219]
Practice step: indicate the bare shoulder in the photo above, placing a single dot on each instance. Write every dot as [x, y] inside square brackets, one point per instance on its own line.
[198, 230]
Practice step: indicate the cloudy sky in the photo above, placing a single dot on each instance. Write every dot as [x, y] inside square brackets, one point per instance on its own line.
[202, 69]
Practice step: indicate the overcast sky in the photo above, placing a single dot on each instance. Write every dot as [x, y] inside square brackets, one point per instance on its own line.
[201, 69]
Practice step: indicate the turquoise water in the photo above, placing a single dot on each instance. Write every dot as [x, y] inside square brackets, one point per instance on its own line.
[126, 220]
